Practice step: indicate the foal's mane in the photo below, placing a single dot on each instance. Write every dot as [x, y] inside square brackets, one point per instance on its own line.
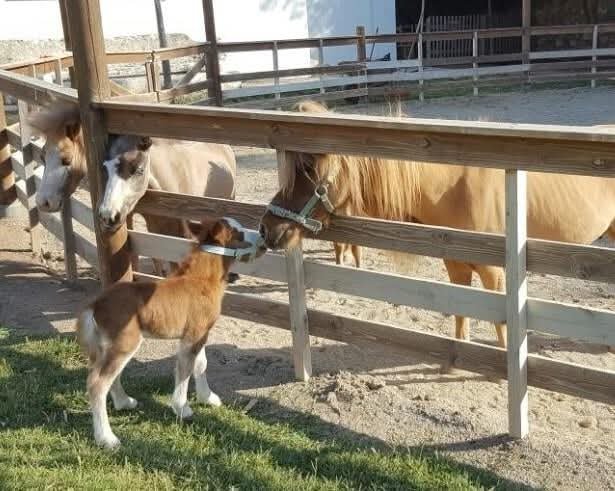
[376, 187]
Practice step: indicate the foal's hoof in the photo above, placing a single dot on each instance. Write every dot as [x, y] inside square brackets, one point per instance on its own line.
[184, 413]
[232, 278]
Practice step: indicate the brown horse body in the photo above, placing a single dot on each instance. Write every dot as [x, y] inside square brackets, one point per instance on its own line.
[560, 207]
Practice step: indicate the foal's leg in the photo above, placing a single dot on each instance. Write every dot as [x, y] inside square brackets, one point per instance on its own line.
[460, 274]
[101, 378]
[121, 400]
[492, 278]
[183, 369]
[203, 392]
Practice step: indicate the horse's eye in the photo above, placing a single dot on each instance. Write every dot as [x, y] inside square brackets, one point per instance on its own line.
[66, 162]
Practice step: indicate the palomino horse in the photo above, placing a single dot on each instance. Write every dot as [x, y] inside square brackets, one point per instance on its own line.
[136, 164]
[560, 207]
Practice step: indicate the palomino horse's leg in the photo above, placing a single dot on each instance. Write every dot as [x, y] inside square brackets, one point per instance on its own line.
[340, 249]
[203, 392]
[356, 253]
[101, 378]
[183, 369]
[460, 274]
[492, 278]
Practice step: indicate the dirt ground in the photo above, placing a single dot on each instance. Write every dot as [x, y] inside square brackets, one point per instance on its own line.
[374, 392]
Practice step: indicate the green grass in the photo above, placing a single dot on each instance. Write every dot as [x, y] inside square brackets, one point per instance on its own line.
[46, 439]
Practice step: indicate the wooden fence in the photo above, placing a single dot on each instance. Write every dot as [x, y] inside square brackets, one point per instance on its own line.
[516, 148]
[468, 62]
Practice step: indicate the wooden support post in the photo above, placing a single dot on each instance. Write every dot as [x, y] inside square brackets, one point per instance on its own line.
[276, 67]
[295, 275]
[321, 62]
[93, 85]
[30, 185]
[419, 47]
[155, 75]
[213, 60]
[516, 301]
[8, 193]
[361, 48]
[58, 72]
[475, 61]
[68, 240]
[594, 57]
[526, 24]
[67, 42]
[149, 76]
[162, 41]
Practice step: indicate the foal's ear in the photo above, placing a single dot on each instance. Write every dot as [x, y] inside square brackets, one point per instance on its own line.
[144, 143]
[195, 229]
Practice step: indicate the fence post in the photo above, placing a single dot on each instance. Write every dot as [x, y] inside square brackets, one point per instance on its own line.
[8, 193]
[475, 61]
[594, 57]
[67, 42]
[321, 62]
[516, 301]
[361, 48]
[526, 36]
[93, 85]
[213, 61]
[302, 358]
[419, 48]
[276, 67]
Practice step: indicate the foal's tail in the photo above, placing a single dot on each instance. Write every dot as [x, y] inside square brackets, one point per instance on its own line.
[88, 335]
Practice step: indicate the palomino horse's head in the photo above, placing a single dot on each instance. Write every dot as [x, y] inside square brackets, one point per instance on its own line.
[128, 172]
[64, 156]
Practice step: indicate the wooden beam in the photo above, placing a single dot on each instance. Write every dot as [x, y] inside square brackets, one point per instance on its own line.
[516, 302]
[361, 48]
[542, 148]
[8, 193]
[33, 90]
[91, 70]
[213, 61]
[162, 41]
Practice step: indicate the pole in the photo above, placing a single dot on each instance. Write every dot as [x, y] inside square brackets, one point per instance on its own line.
[93, 85]
[213, 61]
[162, 39]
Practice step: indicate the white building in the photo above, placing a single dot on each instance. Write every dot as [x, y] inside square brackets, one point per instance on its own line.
[236, 20]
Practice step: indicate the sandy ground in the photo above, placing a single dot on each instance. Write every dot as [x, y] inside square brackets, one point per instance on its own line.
[375, 393]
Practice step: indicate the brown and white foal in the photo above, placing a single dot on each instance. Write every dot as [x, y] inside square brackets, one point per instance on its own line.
[183, 306]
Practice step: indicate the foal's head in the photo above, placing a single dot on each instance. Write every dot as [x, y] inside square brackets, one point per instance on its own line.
[63, 153]
[128, 171]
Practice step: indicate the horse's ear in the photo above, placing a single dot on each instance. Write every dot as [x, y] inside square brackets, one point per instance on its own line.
[144, 143]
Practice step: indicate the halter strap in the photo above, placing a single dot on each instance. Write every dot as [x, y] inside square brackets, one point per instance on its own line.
[303, 218]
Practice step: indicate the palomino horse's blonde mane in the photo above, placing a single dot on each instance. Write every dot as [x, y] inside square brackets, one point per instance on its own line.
[374, 186]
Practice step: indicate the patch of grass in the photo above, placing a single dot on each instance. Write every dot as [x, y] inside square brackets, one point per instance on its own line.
[46, 439]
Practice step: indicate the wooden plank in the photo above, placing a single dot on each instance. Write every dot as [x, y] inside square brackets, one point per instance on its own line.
[130, 57]
[516, 302]
[289, 101]
[170, 94]
[571, 53]
[146, 97]
[82, 213]
[68, 241]
[190, 74]
[33, 90]
[8, 194]
[543, 148]
[18, 165]
[91, 70]
[117, 89]
[490, 361]
[594, 58]
[572, 321]
[475, 63]
[164, 54]
[293, 72]
[29, 164]
[13, 136]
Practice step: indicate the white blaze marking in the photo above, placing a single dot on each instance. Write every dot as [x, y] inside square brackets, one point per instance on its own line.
[116, 191]
[55, 175]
